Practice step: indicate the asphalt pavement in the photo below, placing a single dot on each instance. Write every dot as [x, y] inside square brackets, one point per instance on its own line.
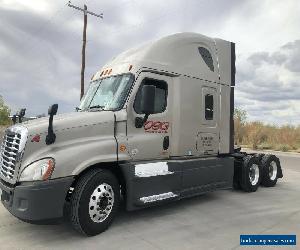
[211, 221]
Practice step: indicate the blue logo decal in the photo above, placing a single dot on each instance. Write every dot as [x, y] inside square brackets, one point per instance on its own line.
[266, 240]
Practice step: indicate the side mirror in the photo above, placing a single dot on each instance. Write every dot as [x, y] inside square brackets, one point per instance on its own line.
[14, 119]
[148, 99]
[53, 109]
[50, 137]
[22, 113]
[147, 104]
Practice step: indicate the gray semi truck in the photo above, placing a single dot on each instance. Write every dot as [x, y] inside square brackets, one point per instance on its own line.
[154, 126]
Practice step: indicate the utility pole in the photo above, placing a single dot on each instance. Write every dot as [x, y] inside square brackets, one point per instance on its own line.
[85, 12]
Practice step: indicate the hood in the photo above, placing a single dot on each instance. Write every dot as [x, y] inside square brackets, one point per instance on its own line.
[67, 121]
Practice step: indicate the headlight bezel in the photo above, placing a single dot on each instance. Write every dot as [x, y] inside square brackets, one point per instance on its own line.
[40, 170]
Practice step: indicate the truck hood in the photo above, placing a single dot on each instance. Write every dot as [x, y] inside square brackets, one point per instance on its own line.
[81, 137]
[68, 121]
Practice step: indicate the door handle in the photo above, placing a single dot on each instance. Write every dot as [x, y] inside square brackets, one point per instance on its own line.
[166, 142]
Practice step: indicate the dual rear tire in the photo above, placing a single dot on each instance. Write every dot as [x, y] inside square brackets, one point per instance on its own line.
[271, 170]
[250, 174]
[257, 170]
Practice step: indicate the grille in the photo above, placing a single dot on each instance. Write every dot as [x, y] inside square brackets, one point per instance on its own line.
[11, 150]
[9, 153]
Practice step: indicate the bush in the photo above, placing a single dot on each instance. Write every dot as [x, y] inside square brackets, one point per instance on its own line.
[4, 113]
[262, 136]
[283, 147]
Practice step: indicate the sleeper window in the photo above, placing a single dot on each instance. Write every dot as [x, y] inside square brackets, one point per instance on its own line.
[209, 107]
[161, 93]
[207, 58]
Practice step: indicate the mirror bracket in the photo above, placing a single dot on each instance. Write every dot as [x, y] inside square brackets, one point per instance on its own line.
[51, 137]
[21, 115]
[140, 121]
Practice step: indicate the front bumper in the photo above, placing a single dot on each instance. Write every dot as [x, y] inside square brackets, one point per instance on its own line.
[36, 201]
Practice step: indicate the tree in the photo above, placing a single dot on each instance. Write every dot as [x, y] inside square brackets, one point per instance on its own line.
[4, 113]
[240, 118]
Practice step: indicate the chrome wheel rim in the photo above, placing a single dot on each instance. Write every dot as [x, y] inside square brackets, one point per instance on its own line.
[273, 170]
[254, 174]
[101, 203]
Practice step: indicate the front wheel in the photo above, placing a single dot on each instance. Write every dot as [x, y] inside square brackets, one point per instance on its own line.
[94, 202]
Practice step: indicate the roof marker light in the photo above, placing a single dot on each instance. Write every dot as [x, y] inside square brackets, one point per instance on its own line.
[130, 67]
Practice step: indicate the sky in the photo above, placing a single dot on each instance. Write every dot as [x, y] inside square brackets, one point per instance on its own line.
[40, 48]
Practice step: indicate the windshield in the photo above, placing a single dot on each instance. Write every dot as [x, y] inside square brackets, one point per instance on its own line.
[107, 94]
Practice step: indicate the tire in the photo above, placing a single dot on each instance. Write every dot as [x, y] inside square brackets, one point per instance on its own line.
[236, 185]
[94, 202]
[270, 170]
[250, 174]
[259, 156]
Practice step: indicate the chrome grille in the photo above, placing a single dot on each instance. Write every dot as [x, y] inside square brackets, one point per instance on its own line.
[11, 151]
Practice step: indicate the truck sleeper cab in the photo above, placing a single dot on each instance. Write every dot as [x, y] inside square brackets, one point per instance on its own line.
[155, 125]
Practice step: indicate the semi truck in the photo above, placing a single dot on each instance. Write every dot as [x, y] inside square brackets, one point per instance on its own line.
[155, 125]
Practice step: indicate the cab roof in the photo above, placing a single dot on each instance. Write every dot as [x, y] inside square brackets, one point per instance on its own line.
[181, 53]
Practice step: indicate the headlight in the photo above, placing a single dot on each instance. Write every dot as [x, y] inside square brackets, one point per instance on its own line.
[38, 171]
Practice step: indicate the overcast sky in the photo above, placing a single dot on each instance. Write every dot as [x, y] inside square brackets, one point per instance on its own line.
[40, 47]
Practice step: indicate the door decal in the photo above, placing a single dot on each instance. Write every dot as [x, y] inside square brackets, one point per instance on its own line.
[156, 127]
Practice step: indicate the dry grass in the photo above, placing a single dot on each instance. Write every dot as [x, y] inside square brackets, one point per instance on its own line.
[261, 136]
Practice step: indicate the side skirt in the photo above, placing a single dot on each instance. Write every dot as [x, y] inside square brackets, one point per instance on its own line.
[151, 183]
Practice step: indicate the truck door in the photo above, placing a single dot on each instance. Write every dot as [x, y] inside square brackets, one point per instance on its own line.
[207, 142]
[207, 172]
[150, 142]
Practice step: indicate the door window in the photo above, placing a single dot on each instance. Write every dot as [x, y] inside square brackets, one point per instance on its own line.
[209, 107]
[161, 93]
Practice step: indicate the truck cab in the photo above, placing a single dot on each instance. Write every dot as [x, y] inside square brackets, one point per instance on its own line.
[155, 125]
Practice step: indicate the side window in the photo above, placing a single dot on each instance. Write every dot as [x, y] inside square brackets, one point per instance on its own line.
[207, 58]
[209, 107]
[161, 94]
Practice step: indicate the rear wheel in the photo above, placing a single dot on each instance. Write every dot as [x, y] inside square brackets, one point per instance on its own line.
[251, 174]
[94, 202]
[270, 169]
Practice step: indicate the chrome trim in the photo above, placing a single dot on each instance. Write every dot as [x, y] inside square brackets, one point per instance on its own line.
[158, 197]
[254, 174]
[11, 152]
[273, 171]
[101, 203]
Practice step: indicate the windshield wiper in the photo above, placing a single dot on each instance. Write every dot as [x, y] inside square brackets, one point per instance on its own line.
[97, 107]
